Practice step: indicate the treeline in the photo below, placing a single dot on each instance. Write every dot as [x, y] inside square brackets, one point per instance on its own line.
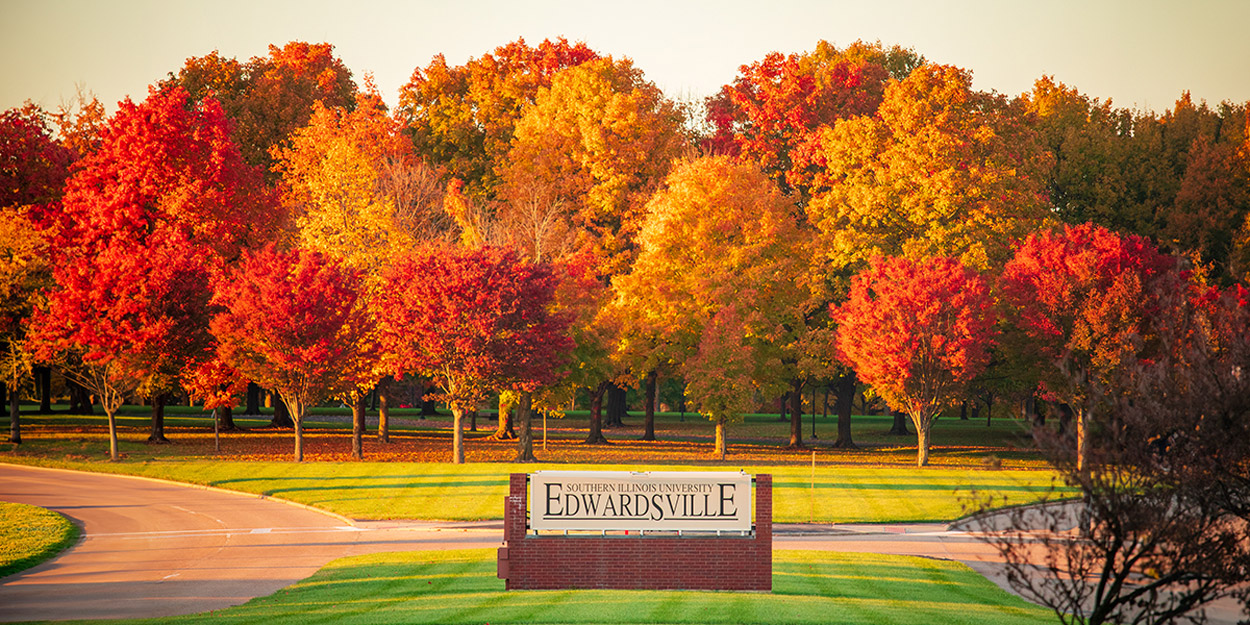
[543, 220]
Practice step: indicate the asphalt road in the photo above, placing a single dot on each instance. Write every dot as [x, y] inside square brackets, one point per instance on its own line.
[152, 549]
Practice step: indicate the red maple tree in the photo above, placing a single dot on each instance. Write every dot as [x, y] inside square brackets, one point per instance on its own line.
[146, 219]
[132, 320]
[294, 322]
[1081, 295]
[33, 165]
[476, 320]
[918, 331]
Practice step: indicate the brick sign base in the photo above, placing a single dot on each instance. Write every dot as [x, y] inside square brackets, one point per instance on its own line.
[637, 562]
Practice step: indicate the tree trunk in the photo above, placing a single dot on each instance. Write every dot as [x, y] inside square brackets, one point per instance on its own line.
[922, 441]
[473, 420]
[900, 424]
[796, 415]
[596, 416]
[114, 456]
[225, 420]
[158, 420]
[79, 399]
[782, 405]
[1032, 413]
[1082, 440]
[989, 409]
[15, 417]
[963, 410]
[43, 379]
[358, 426]
[616, 406]
[845, 404]
[457, 434]
[721, 446]
[525, 429]
[648, 432]
[281, 415]
[504, 431]
[298, 423]
[253, 399]
[428, 407]
[384, 409]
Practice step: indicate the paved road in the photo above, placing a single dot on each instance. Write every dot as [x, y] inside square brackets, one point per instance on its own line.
[154, 549]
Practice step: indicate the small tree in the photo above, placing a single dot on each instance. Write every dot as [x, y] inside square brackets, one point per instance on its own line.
[476, 320]
[723, 371]
[918, 331]
[294, 322]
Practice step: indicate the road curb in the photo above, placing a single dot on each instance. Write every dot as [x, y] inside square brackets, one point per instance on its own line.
[350, 522]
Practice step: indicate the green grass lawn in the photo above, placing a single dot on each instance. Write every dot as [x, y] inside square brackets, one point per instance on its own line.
[460, 587]
[398, 490]
[1001, 433]
[29, 535]
[872, 485]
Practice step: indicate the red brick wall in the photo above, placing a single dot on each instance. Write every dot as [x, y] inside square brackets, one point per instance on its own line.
[650, 562]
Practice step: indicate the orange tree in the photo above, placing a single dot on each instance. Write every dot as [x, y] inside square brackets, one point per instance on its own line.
[940, 169]
[270, 96]
[775, 109]
[918, 331]
[720, 235]
[461, 118]
[584, 159]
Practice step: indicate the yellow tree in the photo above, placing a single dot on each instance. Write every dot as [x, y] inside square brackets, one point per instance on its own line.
[585, 158]
[461, 118]
[940, 169]
[720, 235]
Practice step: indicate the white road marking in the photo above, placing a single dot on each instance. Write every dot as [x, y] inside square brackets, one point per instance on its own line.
[228, 532]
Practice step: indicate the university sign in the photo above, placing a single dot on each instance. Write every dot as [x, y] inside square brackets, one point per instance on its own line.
[659, 501]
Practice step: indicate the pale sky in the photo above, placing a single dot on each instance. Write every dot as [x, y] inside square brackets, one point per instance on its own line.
[1140, 53]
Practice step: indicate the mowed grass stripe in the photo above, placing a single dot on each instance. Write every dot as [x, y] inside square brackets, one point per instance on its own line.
[460, 587]
[433, 491]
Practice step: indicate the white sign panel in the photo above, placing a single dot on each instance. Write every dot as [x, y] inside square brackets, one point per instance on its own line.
[620, 500]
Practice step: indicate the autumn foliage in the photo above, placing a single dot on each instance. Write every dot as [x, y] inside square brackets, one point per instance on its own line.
[1083, 294]
[294, 321]
[267, 220]
[918, 331]
[476, 320]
